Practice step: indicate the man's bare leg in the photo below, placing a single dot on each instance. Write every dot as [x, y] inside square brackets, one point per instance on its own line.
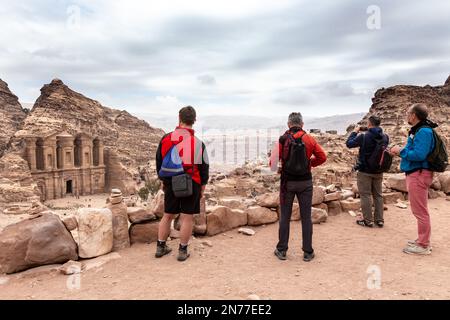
[164, 226]
[163, 233]
[187, 223]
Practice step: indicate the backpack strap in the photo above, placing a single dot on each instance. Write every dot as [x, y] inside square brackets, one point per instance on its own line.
[299, 137]
[290, 138]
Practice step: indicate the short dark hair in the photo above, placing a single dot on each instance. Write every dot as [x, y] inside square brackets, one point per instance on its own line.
[375, 121]
[188, 115]
[420, 110]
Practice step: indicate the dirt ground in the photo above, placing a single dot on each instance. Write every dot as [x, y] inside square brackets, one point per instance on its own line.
[236, 266]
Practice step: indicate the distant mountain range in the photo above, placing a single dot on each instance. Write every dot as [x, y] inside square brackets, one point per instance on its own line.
[235, 123]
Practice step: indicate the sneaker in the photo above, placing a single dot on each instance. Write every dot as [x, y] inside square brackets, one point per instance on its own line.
[308, 256]
[364, 223]
[183, 255]
[380, 224]
[162, 251]
[280, 254]
[415, 249]
[412, 243]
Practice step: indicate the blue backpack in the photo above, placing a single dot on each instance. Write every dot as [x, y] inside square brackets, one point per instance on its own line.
[172, 164]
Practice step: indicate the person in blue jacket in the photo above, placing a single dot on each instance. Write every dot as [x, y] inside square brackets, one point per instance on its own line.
[419, 177]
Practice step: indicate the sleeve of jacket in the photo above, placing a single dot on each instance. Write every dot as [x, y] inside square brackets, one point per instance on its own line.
[319, 155]
[204, 166]
[274, 157]
[420, 148]
[354, 140]
[158, 158]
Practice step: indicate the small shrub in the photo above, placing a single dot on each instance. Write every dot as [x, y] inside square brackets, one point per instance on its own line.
[153, 186]
[143, 193]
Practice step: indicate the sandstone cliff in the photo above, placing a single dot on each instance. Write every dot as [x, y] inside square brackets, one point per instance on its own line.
[133, 142]
[16, 183]
[392, 103]
[11, 115]
[59, 107]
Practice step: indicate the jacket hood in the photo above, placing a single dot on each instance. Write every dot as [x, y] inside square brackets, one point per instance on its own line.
[377, 131]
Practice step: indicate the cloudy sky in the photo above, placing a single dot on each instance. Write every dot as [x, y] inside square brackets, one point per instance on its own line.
[253, 57]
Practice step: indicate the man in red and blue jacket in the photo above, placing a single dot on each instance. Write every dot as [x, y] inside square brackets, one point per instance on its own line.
[192, 152]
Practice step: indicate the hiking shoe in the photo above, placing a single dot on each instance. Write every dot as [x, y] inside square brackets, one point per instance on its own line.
[412, 243]
[162, 251]
[308, 256]
[280, 254]
[183, 255]
[364, 223]
[415, 249]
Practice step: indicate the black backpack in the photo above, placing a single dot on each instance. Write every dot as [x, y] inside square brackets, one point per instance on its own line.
[438, 158]
[296, 162]
[379, 160]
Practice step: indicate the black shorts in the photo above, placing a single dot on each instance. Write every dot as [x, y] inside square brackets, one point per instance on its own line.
[188, 205]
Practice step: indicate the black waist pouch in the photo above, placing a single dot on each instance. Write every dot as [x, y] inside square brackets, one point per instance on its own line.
[182, 185]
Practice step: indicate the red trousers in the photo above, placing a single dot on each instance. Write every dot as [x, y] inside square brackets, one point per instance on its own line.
[418, 184]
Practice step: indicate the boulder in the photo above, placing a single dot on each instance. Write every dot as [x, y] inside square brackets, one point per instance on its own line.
[232, 202]
[322, 206]
[144, 232]
[444, 180]
[345, 194]
[95, 232]
[249, 203]
[436, 185]
[121, 238]
[200, 219]
[225, 188]
[157, 205]
[334, 208]
[260, 215]
[295, 212]
[37, 241]
[433, 194]
[318, 195]
[71, 223]
[139, 215]
[350, 204]
[268, 200]
[392, 197]
[222, 219]
[318, 215]
[115, 199]
[116, 192]
[333, 196]
[397, 182]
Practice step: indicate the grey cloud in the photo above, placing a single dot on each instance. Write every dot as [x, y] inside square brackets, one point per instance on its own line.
[206, 80]
[118, 63]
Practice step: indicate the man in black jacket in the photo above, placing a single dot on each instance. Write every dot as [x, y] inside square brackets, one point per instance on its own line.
[370, 183]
